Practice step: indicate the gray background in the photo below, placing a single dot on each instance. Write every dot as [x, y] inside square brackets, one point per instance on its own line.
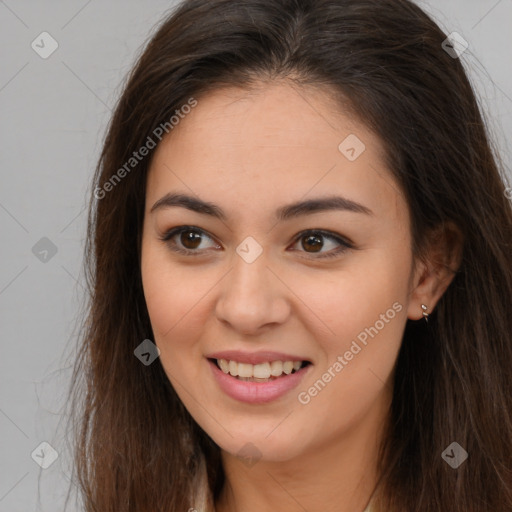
[53, 117]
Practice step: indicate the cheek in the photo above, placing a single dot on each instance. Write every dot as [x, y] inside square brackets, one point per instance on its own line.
[170, 300]
[364, 309]
[168, 297]
[348, 301]
[177, 299]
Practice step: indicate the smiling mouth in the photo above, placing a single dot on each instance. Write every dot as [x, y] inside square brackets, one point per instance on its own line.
[263, 372]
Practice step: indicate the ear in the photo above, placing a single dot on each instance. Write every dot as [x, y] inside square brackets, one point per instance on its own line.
[435, 271]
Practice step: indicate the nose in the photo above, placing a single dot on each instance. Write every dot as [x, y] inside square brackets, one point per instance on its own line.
[252, 297]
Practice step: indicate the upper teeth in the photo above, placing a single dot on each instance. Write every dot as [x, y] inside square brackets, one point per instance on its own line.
[260, 371]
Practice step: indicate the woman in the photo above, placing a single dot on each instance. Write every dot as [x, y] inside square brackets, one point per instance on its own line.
[299, 266]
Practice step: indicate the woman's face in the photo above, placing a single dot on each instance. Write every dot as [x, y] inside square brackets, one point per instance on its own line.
[297, 248]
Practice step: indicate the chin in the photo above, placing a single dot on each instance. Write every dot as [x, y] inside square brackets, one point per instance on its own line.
[259, 447]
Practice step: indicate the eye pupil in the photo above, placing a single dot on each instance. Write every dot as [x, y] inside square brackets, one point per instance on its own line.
[190, 237]
[313, 240]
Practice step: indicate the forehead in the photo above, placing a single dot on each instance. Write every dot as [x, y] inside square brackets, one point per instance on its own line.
[269, 145]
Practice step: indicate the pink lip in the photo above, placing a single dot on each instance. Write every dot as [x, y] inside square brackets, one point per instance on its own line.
[257, 392]
[254, 357]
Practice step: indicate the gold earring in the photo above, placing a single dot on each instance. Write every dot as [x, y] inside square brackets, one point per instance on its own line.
[425, 314]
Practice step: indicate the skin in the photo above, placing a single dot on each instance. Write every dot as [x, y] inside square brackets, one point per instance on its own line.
[251, 152]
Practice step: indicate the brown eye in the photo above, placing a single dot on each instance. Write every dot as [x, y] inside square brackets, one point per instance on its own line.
[190, 239]
[313, 242]
[187, 240]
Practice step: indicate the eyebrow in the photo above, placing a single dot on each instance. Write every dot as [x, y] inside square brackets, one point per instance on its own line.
[283, 213]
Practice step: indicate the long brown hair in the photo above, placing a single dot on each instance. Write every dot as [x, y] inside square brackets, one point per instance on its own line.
[137, 447]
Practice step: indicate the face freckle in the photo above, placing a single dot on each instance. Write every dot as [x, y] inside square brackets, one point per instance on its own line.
[255, 284]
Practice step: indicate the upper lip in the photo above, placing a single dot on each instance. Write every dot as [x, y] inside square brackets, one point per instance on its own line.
[254, 357]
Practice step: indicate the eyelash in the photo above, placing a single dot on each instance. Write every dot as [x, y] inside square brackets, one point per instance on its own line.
[167, 238]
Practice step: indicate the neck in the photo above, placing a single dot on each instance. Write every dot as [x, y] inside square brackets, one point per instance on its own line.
[338, 476]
